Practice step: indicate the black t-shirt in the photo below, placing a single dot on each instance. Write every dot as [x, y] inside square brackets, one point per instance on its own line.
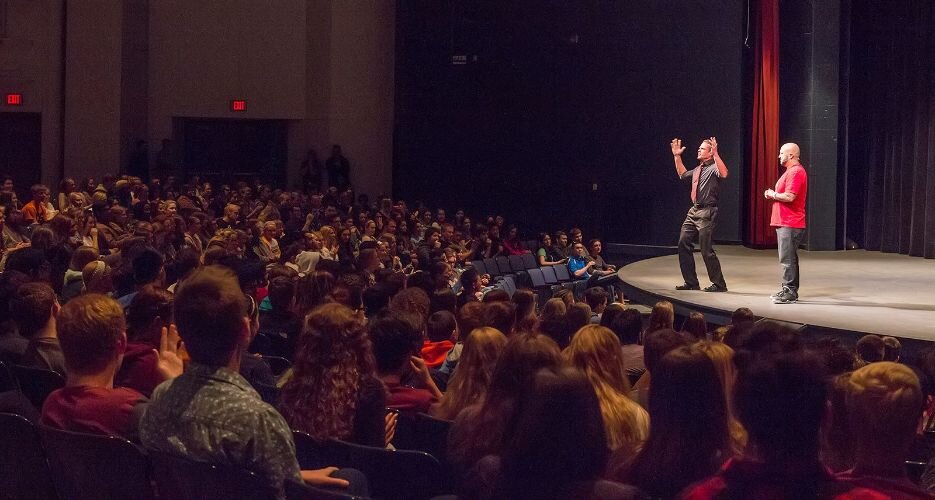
[709, 189]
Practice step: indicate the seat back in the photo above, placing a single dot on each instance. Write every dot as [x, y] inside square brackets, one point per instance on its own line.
[503, 264]
[538, 280]
[548, 274]
[561, 272]
[300, 491]
[37, 383]
[180, 478]
[7, 380]
[308, 451]
[529, 261]
[479, 266]
[508, 285]
[24, 471]
[516, 263]
[277, 364]
[492, 268]
[433, 435]
[393, 474]
[88, 466]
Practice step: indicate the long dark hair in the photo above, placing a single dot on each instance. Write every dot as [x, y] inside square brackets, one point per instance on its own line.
[482, 429]
[688, 438]
[559, 440]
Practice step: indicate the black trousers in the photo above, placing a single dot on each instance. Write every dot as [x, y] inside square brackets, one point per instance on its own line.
[699, 224]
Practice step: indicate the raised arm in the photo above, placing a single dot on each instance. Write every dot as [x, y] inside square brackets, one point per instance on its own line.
[721, 166]
[677, 150]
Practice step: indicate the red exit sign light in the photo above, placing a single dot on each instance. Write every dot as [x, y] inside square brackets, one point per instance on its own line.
[14, 99]
[238, 105]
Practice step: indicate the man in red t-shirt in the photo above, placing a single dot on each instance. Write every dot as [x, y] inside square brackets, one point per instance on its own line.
[92, 332]
[788, 217]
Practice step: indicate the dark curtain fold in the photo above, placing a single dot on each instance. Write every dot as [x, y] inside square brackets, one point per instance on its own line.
[891, 134]
[764, 143]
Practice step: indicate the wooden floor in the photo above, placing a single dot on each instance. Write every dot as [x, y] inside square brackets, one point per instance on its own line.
[852, 290]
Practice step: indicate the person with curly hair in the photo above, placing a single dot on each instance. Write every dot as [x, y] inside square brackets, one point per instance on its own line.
[333, 392]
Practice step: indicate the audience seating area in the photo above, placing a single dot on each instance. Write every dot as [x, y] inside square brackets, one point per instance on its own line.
[170, 340]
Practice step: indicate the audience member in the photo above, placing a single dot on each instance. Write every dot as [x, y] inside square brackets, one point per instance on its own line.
[149, 313]
[93, 337]
[469, 382]
[397, 339]
[485, 427]
[333, 392]
[442, 332]
[892, 347]
[595, 351]
[696, 326]
[596, 299]
[34, 309]
[884, 402]
[569, 463]
[210, 413]
[871, 349]
[781, 400]
[661, 317]
[627, 326]
[688, 439]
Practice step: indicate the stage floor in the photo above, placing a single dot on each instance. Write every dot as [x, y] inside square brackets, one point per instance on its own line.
[852, 290]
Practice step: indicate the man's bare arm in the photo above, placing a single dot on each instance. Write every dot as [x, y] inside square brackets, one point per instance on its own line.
[721, 166]
[677, 150]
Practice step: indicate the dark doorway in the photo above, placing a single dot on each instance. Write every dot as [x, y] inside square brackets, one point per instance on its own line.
[21, 150]
[231, 150]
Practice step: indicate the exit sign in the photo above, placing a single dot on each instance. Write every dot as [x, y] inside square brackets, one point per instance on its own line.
[238, 105]
[14, 99]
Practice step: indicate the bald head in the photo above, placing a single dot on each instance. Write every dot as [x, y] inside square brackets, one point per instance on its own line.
[789, 154]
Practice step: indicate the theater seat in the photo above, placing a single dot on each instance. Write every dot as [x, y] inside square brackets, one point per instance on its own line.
[37, 383]
[24, 471]
[393, 474]
[300, 491]
[179, 478]
[89, 466]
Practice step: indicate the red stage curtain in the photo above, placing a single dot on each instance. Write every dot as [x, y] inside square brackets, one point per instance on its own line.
[764, 146]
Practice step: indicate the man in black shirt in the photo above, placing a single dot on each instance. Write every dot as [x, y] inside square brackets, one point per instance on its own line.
[701, 220]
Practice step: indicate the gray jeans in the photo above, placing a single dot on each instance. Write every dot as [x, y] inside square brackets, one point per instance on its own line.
[789, 240]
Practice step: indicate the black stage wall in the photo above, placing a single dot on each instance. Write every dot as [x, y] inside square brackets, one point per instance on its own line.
[526, 108]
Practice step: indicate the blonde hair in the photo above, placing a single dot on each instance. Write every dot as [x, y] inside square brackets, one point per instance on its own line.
[662, 316]
[90, 327]
[723, 358]
[884, 400]
[471, 378]
[596, 351]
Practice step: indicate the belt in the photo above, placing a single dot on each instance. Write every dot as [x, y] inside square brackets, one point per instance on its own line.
[703, 205]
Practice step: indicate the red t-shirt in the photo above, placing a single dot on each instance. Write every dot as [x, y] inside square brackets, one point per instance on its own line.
[793, 180]
[95, 410]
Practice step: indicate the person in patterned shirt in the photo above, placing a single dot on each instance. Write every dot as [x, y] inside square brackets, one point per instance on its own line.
[210, 413]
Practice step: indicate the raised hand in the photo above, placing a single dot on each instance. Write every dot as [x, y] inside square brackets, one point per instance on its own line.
[677, 148]
[169, 364]
[713, 141]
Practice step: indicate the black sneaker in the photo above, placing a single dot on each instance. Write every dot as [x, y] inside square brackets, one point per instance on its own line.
[715, 288]
[787, 296]
[686, 286]
[777, 294]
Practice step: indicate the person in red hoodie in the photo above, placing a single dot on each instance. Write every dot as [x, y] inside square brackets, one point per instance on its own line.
[149, 312]
[442, 333]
